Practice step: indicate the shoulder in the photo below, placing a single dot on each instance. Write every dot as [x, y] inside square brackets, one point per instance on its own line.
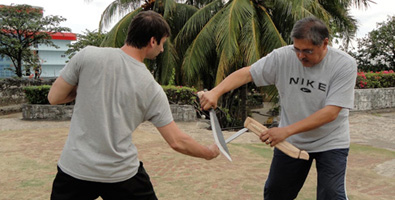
[342, 59]
[278, 54]
[339, 54]
[285, 50]
[343, 65]
[98, 51]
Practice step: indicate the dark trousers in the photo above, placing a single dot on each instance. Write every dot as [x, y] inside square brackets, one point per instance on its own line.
[137, 187]
[287, 175]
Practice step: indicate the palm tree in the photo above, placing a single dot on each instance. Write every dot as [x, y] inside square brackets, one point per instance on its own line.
[221, 38]
[209, 43]
[245, 29]
[176, 15]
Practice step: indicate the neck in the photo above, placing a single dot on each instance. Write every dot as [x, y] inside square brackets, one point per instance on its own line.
[138, 54]
[324, 53]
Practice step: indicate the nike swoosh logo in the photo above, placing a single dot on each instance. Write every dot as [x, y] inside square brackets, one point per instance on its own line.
[305, 90]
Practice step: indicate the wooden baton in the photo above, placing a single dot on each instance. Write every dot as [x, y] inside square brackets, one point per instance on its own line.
[283, 146]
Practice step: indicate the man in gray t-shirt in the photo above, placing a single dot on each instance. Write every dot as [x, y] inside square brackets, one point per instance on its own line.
[316, 88]
[114, 92]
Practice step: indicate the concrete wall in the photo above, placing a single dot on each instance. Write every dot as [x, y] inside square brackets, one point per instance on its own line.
[46, 112]
[374, 99]
[185, 113]
[11, 90]
[64, 112]
[11, 93]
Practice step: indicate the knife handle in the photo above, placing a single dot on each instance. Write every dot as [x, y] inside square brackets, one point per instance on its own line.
[283, 146]
[200, 94]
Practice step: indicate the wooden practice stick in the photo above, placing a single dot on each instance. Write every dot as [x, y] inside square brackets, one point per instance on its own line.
[283, 146]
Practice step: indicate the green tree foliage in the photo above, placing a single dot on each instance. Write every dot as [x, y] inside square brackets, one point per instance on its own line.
[88, 38]
[23, 26]
[376, 51]
[212, 39]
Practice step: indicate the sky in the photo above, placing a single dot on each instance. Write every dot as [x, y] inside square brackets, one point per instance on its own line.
[85, 14]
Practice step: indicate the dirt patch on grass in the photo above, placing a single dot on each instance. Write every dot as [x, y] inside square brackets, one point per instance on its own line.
[29, 151]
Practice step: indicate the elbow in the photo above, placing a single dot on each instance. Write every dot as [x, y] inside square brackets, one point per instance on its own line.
[333, 113]
[176, 146]
[179, 145]
[333, 117]
[51, 100]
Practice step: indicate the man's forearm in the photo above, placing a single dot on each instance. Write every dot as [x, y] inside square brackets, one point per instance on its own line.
[236, 79]
[317, 119]
[233, 81]
[185, 144]
[61, 92]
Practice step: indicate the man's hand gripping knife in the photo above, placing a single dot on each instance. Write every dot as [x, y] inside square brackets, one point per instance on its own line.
[283, 146]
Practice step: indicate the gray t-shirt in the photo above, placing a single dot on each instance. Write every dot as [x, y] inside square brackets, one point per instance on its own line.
[115, 94]
[305, 90]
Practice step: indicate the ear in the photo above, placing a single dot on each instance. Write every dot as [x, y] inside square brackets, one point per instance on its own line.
[152, 41]
[326, 42]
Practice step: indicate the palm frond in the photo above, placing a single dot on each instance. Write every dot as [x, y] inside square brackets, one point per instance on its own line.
[169, 6]
[167, 62]
[237, 12]
[195, 24]
[179, 18]
[361, 3]
[343, 25]
[117, 8]
[271, 37]
[116, 36]
[286, 13]
[200, 52]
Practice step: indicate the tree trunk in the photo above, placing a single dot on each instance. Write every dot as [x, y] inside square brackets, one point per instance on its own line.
[243, 97]
[18, 69]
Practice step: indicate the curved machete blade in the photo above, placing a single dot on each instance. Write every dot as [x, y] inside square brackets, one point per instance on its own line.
[218, 136]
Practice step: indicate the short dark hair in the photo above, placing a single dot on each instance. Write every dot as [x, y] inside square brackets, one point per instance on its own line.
[310, 28]
[145, 25]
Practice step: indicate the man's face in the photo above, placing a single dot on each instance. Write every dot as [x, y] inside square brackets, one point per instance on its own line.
[156, 48]
[309, 54]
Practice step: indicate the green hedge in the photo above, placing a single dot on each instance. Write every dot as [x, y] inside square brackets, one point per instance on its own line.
[180, 94]
[175, 94]
[381, 79]
[37, 94]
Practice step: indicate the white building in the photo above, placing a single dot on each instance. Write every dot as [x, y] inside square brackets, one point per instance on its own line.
[52, 59]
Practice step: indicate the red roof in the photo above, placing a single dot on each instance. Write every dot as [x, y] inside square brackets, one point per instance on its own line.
[63, 36]
[54, 36]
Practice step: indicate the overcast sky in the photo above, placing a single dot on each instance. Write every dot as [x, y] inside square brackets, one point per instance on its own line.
[81, 14]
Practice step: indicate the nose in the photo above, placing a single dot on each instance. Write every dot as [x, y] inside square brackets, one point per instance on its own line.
[300, 55]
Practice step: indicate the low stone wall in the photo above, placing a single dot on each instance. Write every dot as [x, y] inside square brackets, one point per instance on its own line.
[374, 99]
[64, 112]
[11, 90]
[185, 113]
[46, 112]
[4, 110]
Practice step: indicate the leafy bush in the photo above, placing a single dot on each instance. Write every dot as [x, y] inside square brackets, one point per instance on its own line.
[37, 94]
[180, 94]
[375, 79]
[175, 94]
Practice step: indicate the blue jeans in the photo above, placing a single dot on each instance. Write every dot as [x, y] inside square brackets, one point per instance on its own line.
[287, 175]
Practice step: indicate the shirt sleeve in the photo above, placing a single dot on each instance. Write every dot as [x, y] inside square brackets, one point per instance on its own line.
[264, 71]
[70, 73]
[341, 90]
[159, 112]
